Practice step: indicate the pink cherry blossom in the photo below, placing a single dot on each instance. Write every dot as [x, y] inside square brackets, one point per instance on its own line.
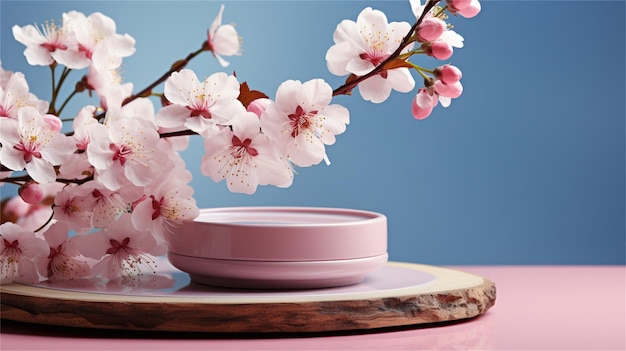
[303, 121]
[362, 45]
[81, 124]
[43, 44]
[245, 157]
[140, 108]
[78, 166]
[104, 78]
[28, 142]
[72, 208]
[199, 106]
[121, 249]
[15, 95]
[21, 255]
[107, 205]
[165, 204]
[125, 151]
[64, 260]
[92, 205]
[223, 40]
[95, 35]
[423, 103]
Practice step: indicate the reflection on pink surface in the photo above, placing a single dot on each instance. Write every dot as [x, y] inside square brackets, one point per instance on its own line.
[170, 282]
[476, 334]
[537, 308]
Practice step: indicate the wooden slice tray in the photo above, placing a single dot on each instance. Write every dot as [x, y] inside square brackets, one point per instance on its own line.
[399, 294]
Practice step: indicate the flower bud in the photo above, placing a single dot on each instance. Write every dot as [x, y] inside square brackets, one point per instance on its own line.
[453, 90]
[472, 10]
[448, 74]
[258, 106]
[31, 193]
[53, 122]
[457, 5]
[423, 103]
[441, 50]
[431, 29]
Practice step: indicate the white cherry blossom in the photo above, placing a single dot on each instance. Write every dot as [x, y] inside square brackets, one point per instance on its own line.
[78, 166]
[201, 106]
[362, 45]
[107, 205]
[14, 94]
[122, 250]
[165, 204]
[125, 151]
[95, 35]
[302, 120]
[65, 262]
[72, 208]
[244, 157]
[29, 143]
[21, 254]
[223, 39]
[44, 44]
[104, 78]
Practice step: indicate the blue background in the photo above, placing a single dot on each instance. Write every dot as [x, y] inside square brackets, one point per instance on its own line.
[526, 167]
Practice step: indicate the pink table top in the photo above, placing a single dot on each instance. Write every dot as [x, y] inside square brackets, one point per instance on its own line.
[537, 308]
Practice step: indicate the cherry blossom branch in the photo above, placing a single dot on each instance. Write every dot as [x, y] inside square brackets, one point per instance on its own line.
[50, 218]
[66, 101]
[56, 89]
[353, 80]
[18, 180]
[53, 78]
[185, 132]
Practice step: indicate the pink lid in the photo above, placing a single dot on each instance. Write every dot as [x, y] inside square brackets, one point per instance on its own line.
[282, 234]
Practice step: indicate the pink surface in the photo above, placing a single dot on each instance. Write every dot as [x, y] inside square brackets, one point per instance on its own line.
[537, 308]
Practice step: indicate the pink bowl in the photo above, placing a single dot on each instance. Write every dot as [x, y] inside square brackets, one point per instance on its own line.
[280, 247]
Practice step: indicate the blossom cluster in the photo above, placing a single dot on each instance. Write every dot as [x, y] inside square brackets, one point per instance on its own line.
[102, 199]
